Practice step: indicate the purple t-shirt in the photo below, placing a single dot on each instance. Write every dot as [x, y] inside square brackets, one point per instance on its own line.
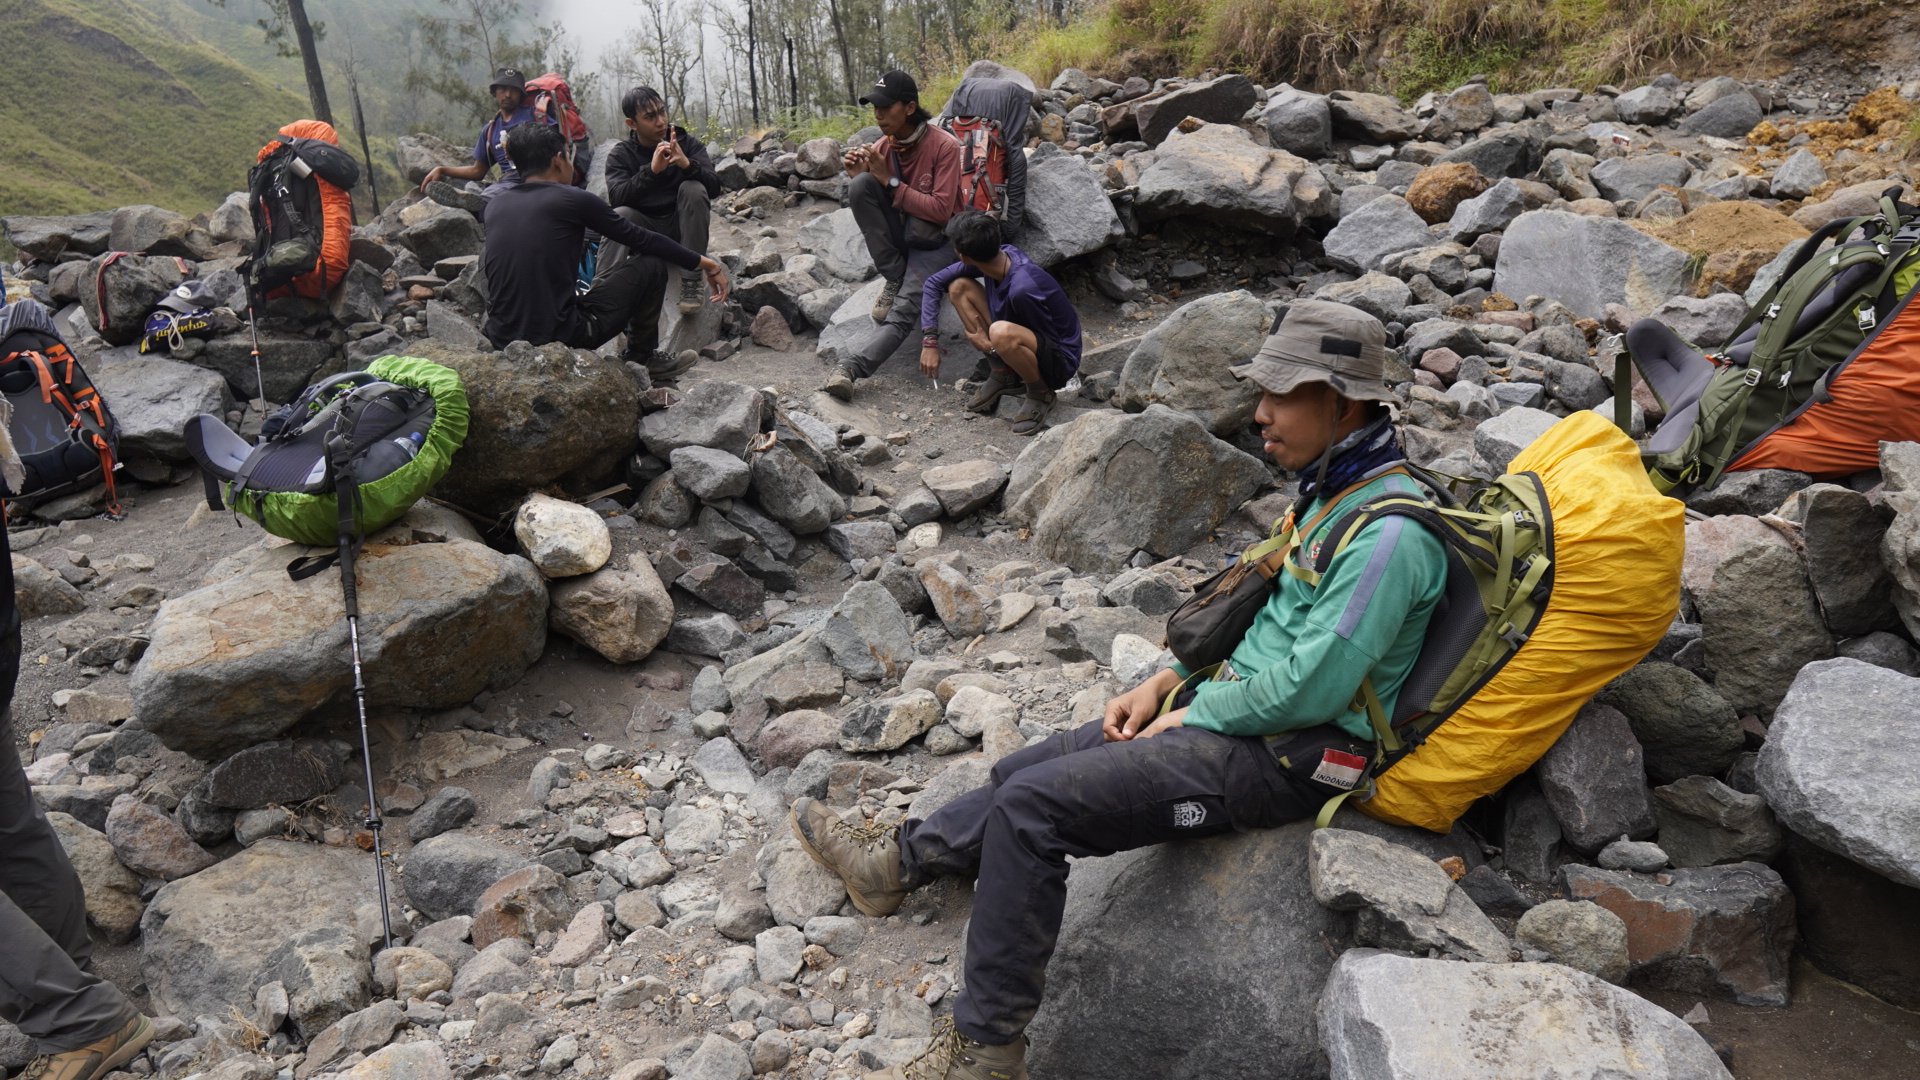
[1027, 295]
[491, 147]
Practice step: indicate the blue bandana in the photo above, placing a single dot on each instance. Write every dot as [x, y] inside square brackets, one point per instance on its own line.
[1373, 449]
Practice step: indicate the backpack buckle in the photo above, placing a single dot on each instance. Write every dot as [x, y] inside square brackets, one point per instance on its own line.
[1773, 311]
[1752, 377]
[1513, 637]
[1785, 377]
[1868, 317]
[1524, 520]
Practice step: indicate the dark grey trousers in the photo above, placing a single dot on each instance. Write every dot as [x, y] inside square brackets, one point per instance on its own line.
[688, 225]
[47, 985]
[1077, 795]
[906, 249]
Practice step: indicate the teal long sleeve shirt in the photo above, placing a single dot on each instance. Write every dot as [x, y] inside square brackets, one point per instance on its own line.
[1303, 659]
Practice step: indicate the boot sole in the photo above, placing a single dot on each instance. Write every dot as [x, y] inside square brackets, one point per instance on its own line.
[987, 406]
[687, 307]
[866, 906]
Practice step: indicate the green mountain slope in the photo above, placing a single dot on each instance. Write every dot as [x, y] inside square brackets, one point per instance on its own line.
[104, 105]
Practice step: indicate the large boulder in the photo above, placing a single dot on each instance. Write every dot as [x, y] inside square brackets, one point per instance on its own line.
[1762, 625]
[1388, 1017]
[445, 876]
[1183, 363]
[1595, 779]
[793, 494]
[1374, 118]
[1838, 764]
[251, 655]
[1247, 951]
[1384, 226]
[418, 155]
[287, 363]
[205, 938]
[46, 238]
[1299, 123]
[836, 239]
[114, 906]
[540, 416]
[1587, 263]
[446, 234]
[1068, 212]
[1725, 931]
[1840, 533]
[621, 614]
[1110, 484]
[1218, 172]
[1684, 726]
[1216, 101]
[153, 397]
[1637, 176]
[150, 230]
[1514, 152]
[720, 415]
[131, 286]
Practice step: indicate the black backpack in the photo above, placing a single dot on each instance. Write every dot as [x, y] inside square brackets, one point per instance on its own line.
[288, 225]
[66, 436]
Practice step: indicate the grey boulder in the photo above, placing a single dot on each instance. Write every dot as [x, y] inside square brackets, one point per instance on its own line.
[1587, 263]
[1382, 227]
[1183, 363]
[1067, 213]
[1218, 172]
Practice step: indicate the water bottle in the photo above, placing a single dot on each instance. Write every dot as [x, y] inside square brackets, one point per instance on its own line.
[411, 443]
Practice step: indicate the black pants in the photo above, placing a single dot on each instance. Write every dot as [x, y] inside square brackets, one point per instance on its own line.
[906, 249]
[47, 985]
[688, 225]
[623, 298]
[1078, 795]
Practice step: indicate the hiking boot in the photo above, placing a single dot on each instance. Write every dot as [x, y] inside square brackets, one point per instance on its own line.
[840, 383]
[693, 294]
[988, 394]
[952, 1056]
[457, 197]
[664, 365]
[1033, 413]
[867, 857]
[95, 1060]
[883, 304]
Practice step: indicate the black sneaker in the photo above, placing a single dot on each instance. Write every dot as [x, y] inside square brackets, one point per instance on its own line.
[457, 197]
[664, 365]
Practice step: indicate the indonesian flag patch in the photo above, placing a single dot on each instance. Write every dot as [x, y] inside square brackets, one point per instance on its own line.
[1339, 769]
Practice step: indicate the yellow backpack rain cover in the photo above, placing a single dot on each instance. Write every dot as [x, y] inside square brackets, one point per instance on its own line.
[1617, 546]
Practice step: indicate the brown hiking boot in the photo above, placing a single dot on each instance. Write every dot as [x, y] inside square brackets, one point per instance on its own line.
[883, 304]
[867, 857]
[1033, 413]
[952, 1056]
[999, 383]
[693, 293]
[95, 1060]
[840, 383]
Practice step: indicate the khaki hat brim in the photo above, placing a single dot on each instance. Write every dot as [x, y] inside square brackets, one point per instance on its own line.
[1282, 376]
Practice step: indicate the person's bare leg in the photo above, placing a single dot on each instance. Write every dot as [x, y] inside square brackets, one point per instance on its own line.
[1018, 346]
[970, 302]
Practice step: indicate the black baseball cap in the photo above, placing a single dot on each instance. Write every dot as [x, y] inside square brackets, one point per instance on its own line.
[510, 77]
[893, 87]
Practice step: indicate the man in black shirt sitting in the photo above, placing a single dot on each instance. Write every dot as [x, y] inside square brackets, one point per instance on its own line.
[535, 235]
[661, 176]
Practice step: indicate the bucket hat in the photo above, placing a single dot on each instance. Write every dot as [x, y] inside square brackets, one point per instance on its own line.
[1321, 341]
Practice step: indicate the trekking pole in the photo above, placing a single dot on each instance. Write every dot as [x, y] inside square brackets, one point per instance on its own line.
[346, 492]
[259, 380]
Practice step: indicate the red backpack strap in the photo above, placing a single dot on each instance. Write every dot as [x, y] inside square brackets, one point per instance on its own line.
[100, 286]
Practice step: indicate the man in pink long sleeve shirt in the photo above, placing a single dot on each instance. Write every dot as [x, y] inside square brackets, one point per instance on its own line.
[904, 189]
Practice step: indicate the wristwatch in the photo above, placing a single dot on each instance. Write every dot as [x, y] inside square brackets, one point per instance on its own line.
[893, 181]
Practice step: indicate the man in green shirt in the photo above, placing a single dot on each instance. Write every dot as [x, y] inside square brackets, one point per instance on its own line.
[1274, 736]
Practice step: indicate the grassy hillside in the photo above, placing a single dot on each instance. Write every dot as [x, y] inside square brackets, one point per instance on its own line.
[109, 105]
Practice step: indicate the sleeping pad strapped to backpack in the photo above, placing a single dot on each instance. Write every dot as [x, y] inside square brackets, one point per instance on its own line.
[380, 438]
[1824, 368]
[61, 426]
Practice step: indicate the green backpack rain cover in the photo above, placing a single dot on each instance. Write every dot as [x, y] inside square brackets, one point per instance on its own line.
[398, 424]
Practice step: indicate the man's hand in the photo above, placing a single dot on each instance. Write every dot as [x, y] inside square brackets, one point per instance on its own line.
[716, 280]
[880, 165]
[432, 175]
[662, 156]
[856, 160]
[930, 361]
[1135, 709]
[676, 156]
[1174, 719]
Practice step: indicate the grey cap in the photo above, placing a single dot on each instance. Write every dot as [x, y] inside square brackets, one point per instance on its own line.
[1321, 341]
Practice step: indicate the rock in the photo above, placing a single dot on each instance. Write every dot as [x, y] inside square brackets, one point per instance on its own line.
[247, 657]
[776, 953]
[1595, 780]
[868, 634]
[446, 234]
[1373, 118]
[1704, 822]
[969, 710]
[1587, 263]
[1882, 650]
[403, 1061]
[791, 493]
[562, 539]
[805, 686]
[1810, 767]
[1393, 1016]
[1762, 625]
[364, 1031]
[621, 614]
[718, 415]
[1650, 104]
[691, 832]
[522, 904]
[1183, 362]
[37, 591]
[1684, 726]
[114, 906]
[866, 540]
[491, 972]
[1583, 936]
[1721, 931]
[722, 768]
[1514, 152]
[150, 843]
[887, 724]
[1462, 112]
[1404, 899]
[710, 474]
[1706, 324]
[1840, 534]
[723, 585]
[418, 155]
[1088, 633]
[154, 397]
[1633, 178]
[1153, 925]
[718, 1058]
[965, 487]
[1364, 238]
[838, 934]
[1439, 189]
[1068, 213]
[1299, 123]
[1110, 484]
[959, 605]
[790, 737]
[448, 809]
[1854, 924]
[1150, 592]
[1380, 295]
[585, 936]
[1729, 117]
[819, 159]
[1798, 175]
[1494, 894]
[204, 936]
[46, 238]
[326, 976]
[1489, 212]
[1532, 847]
[131, 287]
[1500, 440]
[446, 875]
[1217, 172]
[1222, 101]
[1637, 855]
[798, 889]
[149, 230]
